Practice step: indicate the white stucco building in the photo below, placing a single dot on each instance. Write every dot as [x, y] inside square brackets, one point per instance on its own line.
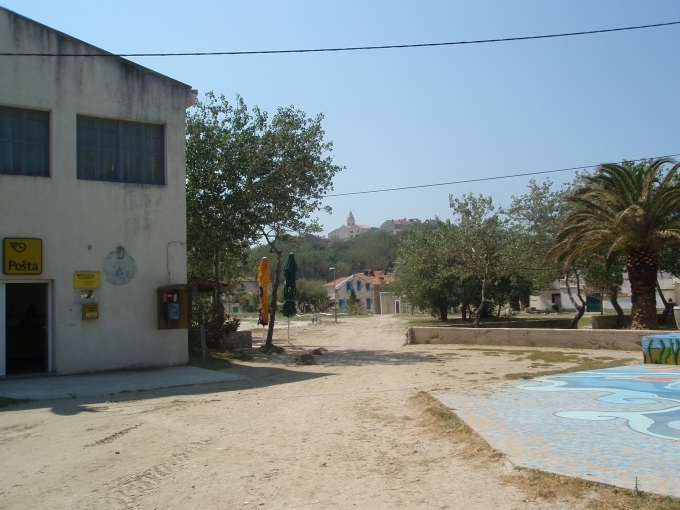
[92, 187]
[556, 294]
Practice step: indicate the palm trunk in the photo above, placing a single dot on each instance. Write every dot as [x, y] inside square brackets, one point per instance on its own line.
[614, 298]
[275, 290]
[642, 268]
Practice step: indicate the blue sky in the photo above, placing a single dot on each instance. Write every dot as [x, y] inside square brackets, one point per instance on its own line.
[418, 116]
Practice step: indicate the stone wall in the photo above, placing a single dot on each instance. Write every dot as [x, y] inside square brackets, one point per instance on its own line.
[627, 340]
[237, 340]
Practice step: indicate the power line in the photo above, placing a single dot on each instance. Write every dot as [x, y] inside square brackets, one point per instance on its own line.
[348, 48]
[481, 179]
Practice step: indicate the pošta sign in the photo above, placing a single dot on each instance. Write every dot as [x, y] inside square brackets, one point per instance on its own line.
[22, 256]
[86, 280]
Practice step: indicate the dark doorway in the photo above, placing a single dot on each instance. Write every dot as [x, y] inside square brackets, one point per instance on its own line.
[26, 334]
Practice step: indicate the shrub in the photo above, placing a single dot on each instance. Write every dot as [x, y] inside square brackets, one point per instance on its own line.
[217, 324]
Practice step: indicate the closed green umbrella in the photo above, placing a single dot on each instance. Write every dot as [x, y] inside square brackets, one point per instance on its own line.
[289, 289]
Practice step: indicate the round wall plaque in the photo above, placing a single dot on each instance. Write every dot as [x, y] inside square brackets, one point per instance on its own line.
[119, 268]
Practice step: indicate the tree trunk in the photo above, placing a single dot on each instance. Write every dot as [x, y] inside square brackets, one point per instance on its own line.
[642, 268]
[443, 311]
[482, 305]
[217, 295]
[498, 315]
[614, 298]
[664, 314]
[580, 310]
[463, 310]
[272, 309]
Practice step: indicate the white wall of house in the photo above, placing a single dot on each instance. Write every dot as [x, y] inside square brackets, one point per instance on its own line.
[81, 222]
[557, 290]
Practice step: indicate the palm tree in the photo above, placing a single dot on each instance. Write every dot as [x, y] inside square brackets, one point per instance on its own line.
[629, 208]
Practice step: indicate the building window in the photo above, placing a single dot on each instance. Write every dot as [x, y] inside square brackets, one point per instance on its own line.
[368, 304]
[24, 142]
[368, 286]
[120, 151]
[358, 285]
[348, 286]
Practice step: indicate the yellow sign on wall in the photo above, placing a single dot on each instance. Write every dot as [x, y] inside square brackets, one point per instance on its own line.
[86, 280]
[22, 256]
[90, 311]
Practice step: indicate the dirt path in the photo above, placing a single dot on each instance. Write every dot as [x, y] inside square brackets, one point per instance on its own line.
[346, 433]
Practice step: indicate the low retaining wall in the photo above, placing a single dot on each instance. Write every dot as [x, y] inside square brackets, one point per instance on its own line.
[625, 340]
[533, 324]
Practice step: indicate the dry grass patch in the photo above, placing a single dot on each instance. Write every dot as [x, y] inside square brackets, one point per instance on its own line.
[445, 421]
[274, 349]
[306, 359]
[535, 483]
[580, 363]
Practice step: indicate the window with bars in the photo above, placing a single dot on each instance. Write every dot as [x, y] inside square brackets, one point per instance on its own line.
[24, 142]
[120, 151]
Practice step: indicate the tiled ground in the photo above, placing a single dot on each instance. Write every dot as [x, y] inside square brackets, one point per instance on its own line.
[609, 425]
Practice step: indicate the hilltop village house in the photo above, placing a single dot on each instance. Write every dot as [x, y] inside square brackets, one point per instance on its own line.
[395, 226]
[92, 187]
[350, 230]
[370, 290]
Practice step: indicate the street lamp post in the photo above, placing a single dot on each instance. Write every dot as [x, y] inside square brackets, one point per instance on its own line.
[335, 294]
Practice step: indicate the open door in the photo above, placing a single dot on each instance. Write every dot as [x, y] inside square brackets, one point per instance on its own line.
[26, 311]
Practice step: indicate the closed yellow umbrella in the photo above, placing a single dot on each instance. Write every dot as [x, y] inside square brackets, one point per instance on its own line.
[263, 275]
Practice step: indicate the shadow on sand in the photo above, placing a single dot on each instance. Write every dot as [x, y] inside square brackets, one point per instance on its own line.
[257, 377]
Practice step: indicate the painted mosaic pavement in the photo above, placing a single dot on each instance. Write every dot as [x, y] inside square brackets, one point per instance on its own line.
[610, 425]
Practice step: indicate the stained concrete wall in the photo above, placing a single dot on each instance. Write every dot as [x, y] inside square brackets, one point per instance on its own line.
[626, 340]
[528, 324]
[81, 221]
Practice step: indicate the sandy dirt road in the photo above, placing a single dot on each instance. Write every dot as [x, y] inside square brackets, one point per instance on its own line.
[346, 433]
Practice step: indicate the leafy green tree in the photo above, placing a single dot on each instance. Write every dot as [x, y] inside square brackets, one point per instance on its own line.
[298, 173]
[604, 277]
[535, 218]
[486, 242]
[353, 304]
[629, 208]
[310, 294]
[426, 274]
[371, 250]
[221, 163]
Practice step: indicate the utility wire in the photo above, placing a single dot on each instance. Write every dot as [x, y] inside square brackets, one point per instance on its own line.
[348, 48]
[481, 179]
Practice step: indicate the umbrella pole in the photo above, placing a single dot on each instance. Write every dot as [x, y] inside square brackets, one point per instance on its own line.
[289, 331]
